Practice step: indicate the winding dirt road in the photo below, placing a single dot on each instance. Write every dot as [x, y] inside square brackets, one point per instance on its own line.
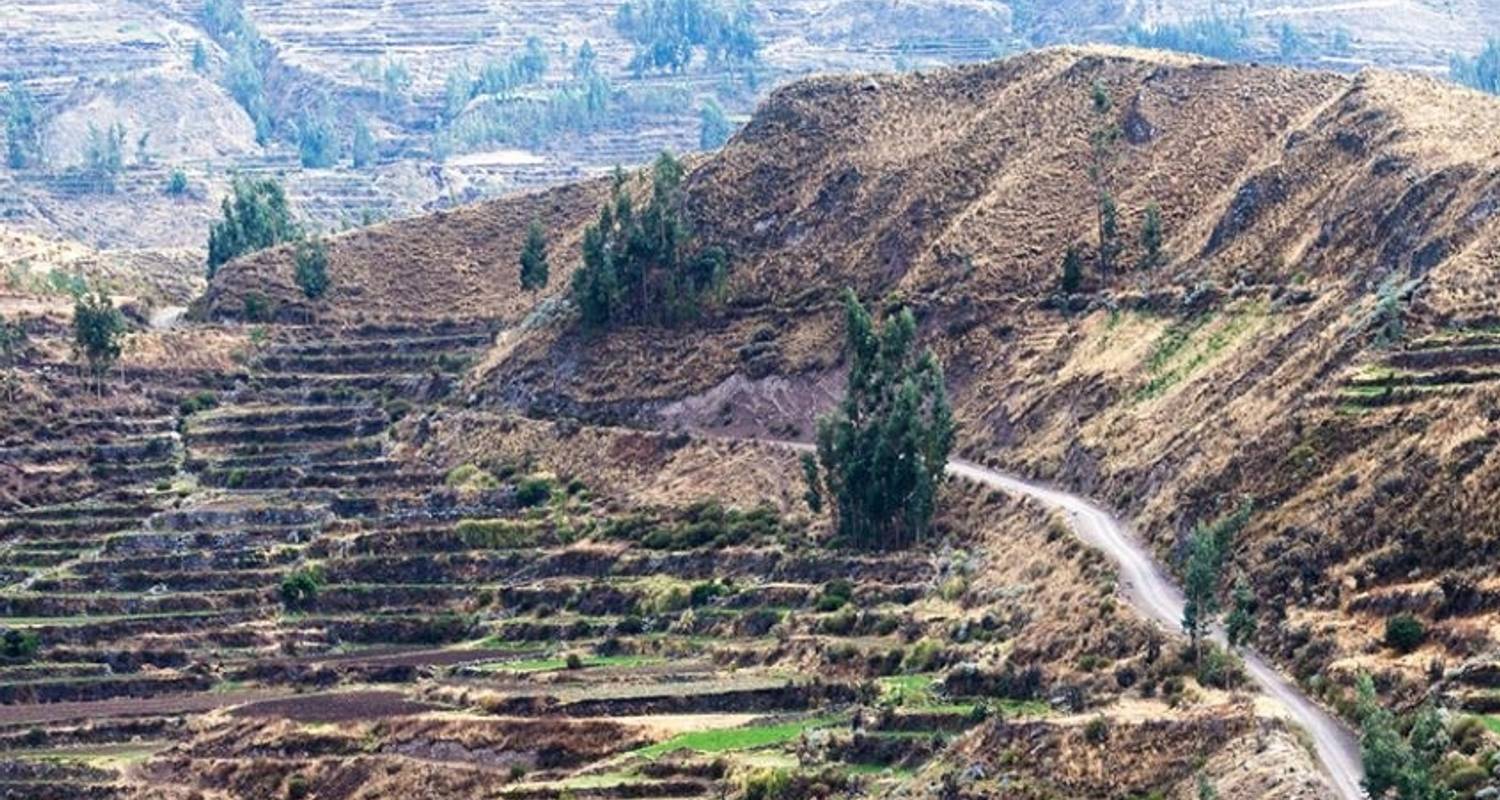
[1151, 591]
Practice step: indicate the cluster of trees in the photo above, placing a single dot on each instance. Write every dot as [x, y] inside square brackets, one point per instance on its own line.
[23, 138]
[249, 57]
[1480, 72]
[104, 156]
[1213, 35]
[98, 330]
[319, 139]
[644, 266]
[1400, 766]
[1207, 552]
[256, 215]
[508, 118]
[1228, 39]
[498, 77]
[881, 455]
[666, 33]
[391, 77]
[1104, 141]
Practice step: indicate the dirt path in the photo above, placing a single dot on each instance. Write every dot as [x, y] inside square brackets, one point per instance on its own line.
[1151, 591]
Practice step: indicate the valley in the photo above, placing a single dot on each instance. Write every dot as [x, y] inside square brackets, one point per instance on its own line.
[1175, 377]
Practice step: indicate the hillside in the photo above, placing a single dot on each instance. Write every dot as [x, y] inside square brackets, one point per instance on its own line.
[1317, 340]
[167, 74]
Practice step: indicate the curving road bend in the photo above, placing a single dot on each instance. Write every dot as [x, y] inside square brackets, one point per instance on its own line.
[1151, 591]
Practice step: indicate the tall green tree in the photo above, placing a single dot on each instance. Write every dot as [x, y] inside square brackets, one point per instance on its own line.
[1072, 272]
[23, 144]
[883, 452]
[104, 156]
[254, 217]
[1240, 625]
[362, 150]
[1201, 586]
[311, 272]
[1103, 143]
[1208, 548]
[1482, 71]
[317, 143]
[12, 344]
[714, 127]
[1151, 238]
[98, 328]
[534, 270]
[1395, 766]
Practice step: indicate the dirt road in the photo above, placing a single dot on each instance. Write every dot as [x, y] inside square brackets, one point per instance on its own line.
[1153, 593]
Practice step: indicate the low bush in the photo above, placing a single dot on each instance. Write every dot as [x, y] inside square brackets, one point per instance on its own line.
[200, 401]
[535, 491]
[707, 591]
[1404, 633]
[469, 477]
[498, 534]
[1096, 731]
[924, 656]
[836, 594]
[299, 589]
[19, 645]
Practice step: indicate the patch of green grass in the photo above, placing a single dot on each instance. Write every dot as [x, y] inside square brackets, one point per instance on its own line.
[1177, 355]
[726, 740]
[1023, 708]
[1490, 721]
[908, 690]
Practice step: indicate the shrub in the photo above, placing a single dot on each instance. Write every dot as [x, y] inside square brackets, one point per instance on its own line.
[468, 477]
[924, 656]
[1404, 633]
[498, 534]
[312, 268]
[766, 784]
[573, 661]
[201, 401]
[177, 183]
[836, 594]
[257, 307]
[705, 592]
[299, 589]
[19, 645]
[534, 491]
[1219, 669]
[663, 596]
[1096, 731]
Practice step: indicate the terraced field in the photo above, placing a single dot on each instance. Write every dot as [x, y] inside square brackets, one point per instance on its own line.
[252, 564]
[263, 582]
[1447, 363]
